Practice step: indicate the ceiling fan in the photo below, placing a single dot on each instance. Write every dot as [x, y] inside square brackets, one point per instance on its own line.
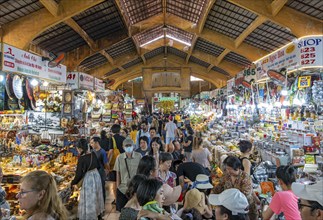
[54, 60]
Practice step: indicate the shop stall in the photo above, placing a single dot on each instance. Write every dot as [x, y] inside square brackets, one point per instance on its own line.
[277, 104]
[30, 129]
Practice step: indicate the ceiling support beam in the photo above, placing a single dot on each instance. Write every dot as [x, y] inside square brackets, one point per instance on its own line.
[143, 59]
[256, 23]
[200, 26]
[250, 52]
[246, 50]
[215, 78]
[22, 31]
[299, 23]
[51, 6]
[129, 26]
[191, 48]
[222, 55]
[110, 59]
[75, 57]
[276, 5]
[203, 18]
[70, 22]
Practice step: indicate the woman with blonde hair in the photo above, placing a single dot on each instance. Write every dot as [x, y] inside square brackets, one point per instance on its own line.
[38, 196]
[201, 153]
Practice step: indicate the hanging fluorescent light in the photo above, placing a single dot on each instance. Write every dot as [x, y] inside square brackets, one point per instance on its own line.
[1, 78]
[153, 40]
[34, 82]
[178, 40]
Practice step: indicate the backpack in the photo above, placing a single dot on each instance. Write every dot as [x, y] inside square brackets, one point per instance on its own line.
[116, 153]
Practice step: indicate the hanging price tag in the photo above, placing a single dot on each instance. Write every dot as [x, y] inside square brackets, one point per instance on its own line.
[304, 81]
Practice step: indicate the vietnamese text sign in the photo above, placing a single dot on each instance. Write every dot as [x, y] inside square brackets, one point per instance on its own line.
[99, 85]
[305, 52]
[72, 80]
[19, 61]
[286, 57]
[86, 81]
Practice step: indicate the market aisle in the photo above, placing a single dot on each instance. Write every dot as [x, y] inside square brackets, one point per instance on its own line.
[110, 209]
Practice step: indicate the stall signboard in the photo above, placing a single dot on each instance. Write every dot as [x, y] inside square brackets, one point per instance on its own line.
[86, 81]
[214, 93]
[230, 85]
[304, 81]
[99, 85]
[310, 51]
[303, 52]
[160, 99]
[140, 102]
[19, 61]
[250, 74]
[286, 57]
[72, 80]
[205, 95]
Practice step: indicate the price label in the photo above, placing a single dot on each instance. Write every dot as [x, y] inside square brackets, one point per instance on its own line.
[304, 81]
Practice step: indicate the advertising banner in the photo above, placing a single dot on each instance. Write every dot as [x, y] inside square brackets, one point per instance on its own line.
[230, 85]
[86, 81]
[99, 85]
[72, 80]
[304, 52]
[18, 61]
[311, 51]
[286, 57]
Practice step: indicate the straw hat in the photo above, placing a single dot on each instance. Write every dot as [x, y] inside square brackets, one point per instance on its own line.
[195, 199]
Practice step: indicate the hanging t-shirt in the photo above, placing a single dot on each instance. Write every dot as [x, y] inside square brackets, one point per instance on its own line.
[286, 202]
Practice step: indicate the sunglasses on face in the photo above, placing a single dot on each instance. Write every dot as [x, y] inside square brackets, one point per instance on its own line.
[300, 205]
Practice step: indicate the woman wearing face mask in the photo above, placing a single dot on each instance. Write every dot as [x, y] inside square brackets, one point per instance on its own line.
[91, 197]
[38, 196]
[284, 201]
[126, 166]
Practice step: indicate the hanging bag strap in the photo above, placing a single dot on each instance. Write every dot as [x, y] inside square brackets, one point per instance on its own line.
[90, 163]
[127, 168]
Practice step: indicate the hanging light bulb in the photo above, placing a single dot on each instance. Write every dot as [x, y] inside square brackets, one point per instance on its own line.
[284, 92]
[34, 82]
[1, 78]
[45, 83]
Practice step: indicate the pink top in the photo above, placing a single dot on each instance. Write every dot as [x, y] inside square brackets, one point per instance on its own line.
[286, 202]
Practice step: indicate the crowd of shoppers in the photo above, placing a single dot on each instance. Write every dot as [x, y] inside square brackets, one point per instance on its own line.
[162, 164]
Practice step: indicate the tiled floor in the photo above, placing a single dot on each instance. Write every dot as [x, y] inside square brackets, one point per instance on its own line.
[111, 213]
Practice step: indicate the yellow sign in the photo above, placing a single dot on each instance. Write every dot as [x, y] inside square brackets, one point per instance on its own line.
[304, 81]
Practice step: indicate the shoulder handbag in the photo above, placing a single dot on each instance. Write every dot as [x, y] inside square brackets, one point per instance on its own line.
[80, 183]
[116, 152]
